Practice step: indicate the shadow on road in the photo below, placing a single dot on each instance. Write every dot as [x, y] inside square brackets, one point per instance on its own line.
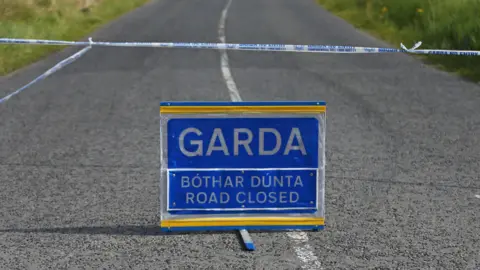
[129, 230]
[108, 230]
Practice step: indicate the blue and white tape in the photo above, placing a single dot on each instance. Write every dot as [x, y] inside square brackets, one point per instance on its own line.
[215, 46]
[49, 72]
[218, 46]
[246, 47]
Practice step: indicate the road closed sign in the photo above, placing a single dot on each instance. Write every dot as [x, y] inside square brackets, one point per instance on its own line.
[242, 165]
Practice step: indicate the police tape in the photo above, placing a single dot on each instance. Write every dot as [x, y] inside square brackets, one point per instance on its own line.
[241, 46]
[49, 72]
[218, 46]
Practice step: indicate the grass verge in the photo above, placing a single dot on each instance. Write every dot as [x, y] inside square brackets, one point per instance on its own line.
[439, 24]
[51, 19]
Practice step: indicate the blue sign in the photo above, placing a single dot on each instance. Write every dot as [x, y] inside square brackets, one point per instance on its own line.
[243, 143]
[254, 164]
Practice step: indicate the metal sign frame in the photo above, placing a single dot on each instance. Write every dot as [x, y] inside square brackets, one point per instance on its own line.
[238, 219]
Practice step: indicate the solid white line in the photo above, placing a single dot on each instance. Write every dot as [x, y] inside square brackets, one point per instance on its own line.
[303, 250]
[227, 74]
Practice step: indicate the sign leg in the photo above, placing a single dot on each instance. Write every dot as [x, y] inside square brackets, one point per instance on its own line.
[247, 240]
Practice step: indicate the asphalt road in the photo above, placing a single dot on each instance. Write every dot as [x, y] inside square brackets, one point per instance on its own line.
[79, 151]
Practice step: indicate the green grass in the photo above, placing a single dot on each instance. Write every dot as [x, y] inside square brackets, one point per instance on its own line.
[439, 24]
[50, 19]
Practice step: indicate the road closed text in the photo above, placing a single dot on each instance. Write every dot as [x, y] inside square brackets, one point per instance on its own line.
[242, 189]
[242, 197]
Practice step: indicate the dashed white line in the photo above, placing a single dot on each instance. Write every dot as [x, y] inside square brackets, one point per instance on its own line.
[477, 196]
[302, 248]
[304, 251]
[227, 75]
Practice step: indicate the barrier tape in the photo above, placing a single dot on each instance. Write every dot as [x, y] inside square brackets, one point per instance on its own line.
[248, 47]
[49, 72]
[217, 46]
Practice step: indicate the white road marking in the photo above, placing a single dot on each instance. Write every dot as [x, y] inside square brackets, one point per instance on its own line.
[227, 75]
[477, 196]
[302, 249]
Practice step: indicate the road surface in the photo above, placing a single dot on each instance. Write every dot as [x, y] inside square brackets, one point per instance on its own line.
[79, 151]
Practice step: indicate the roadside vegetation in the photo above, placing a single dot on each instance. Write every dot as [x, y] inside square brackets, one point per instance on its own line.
[439, 24]
[51, 19]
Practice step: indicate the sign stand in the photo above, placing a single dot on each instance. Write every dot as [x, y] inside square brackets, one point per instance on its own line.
[242, 166]
[247, 240]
